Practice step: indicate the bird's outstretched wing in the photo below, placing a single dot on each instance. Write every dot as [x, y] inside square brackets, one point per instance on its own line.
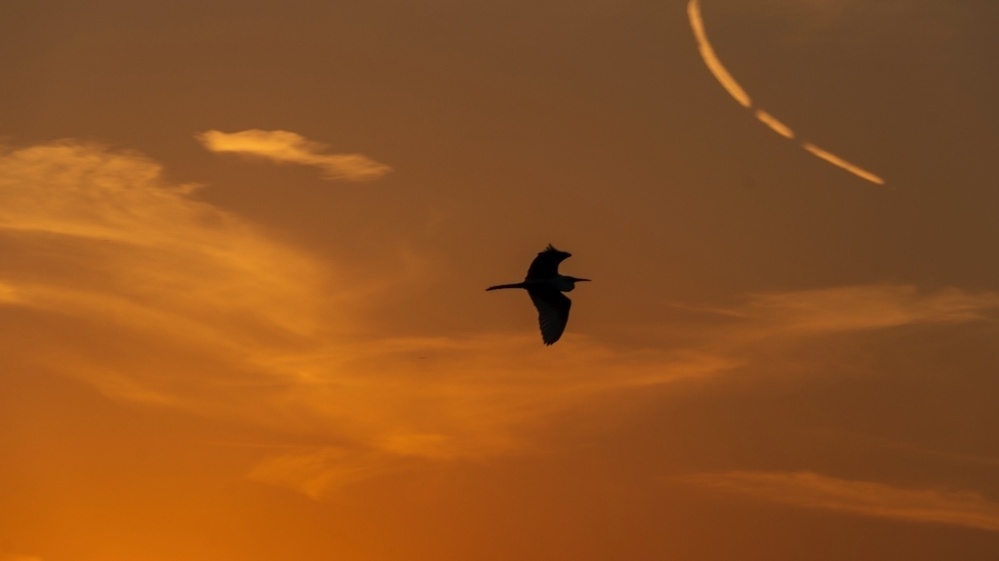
[553, 312]
[545, 265]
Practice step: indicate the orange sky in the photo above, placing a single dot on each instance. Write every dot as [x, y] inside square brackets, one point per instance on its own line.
[245, 246]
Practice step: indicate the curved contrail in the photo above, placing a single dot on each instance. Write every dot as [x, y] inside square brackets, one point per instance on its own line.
[735, 90]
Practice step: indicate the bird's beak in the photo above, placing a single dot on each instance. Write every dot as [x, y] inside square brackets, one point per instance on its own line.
[579, 280]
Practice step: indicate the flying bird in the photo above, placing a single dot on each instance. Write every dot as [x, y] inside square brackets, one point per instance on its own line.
[545, 287]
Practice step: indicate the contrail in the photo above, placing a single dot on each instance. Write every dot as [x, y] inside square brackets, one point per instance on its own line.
[711, 59]
[840, 162]
[772, 122]
[733, 88]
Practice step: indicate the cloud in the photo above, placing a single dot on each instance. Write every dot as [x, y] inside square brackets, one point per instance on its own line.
[813, 490]
[154, 297]
[854, 308]
[97, 230]
[473, 398]
[130, 284]
[736, 91]
[7, 295]
[487, 393]
[783, 320]
[288, 147]
[318, 471]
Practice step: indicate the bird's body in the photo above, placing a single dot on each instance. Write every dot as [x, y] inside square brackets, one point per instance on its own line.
[545, 286]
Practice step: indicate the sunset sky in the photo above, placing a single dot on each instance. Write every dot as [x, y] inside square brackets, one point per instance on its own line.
[243, 247]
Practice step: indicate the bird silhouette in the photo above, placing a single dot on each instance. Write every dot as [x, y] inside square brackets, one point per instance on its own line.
[545, 287]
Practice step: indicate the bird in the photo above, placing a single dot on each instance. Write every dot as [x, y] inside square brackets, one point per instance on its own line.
[545, 286]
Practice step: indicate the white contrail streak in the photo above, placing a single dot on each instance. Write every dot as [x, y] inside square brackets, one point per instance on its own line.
[837, 161]
[772, 122]
[711, 58]
[733, 88]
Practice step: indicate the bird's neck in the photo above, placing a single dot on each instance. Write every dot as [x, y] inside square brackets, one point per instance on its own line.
[564, 283]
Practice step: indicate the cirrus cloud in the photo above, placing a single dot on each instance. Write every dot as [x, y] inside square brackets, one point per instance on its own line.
[866, 498]
[292, 148]
[129, 283]
[132, 285]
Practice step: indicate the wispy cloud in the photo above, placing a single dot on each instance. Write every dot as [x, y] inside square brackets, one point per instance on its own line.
[222, 321]
[7, 294]
[157, 298]
[111, 234]
[486, 393]
[853, 308]
[785, 319]
[813, 490]
[464, 399]
[288, 147]
[318, 471]
[13, 557]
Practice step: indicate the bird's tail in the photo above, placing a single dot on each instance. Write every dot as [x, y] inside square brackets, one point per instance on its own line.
[515, 285]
